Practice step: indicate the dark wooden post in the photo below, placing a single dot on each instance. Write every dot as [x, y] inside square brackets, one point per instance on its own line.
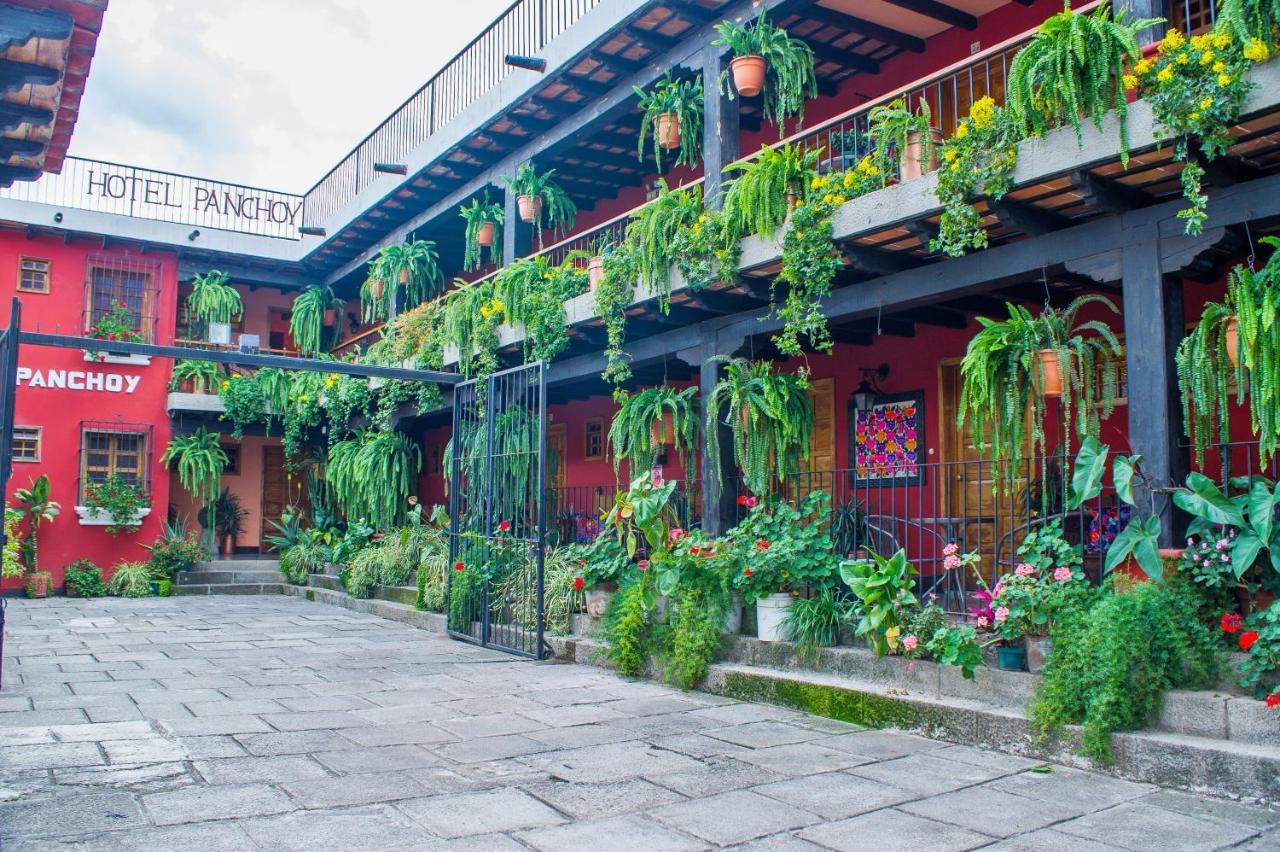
[516, 235]
[1153, 326]
[718, 474]
[1136, 9]
[720, 125]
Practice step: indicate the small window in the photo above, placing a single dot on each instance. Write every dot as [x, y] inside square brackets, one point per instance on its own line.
[233, 459]
[123, 287]
[593, 448]
[113, 450]
[26, 443]
[33, 275]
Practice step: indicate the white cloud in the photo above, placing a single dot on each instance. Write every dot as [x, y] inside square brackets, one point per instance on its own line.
[271, 93]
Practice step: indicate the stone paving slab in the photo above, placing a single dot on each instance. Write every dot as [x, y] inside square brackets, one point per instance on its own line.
[281, 724]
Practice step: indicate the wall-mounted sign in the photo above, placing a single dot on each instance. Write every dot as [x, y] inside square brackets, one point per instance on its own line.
[78, 380]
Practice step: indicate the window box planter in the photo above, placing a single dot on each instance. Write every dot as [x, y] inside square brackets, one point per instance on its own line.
[117, 358]
[90, 517]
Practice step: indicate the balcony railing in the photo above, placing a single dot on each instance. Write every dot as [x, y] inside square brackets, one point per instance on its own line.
[103, 187]
[523, 29]
[575, 513]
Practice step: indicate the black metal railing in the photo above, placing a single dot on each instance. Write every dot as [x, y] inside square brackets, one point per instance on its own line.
[575, 513]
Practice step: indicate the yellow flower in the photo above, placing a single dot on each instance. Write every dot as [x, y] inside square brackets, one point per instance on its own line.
[1206, 103]
[1165, 75]
[950, 155]
[1182, 58]
[962, 131]
[982, 112]
[1219, 67]
[1129, 81]
[1199, 42]
[850, 179]
[225, 384]
[1224, 80]
[1221, 40]
[1256, 50]
[1173, 41]
[1143, 67]
[816, 183]
[1206, 57]
[303, 398]
[1195, 116]
[955, 167]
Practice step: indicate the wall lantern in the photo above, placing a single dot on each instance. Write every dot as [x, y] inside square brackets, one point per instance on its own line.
[868, 390]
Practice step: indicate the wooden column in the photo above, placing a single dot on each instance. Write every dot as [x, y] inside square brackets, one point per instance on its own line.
[517, 236]
[1153, 327]
[1136, 9]
[718, 473]
[720, 125]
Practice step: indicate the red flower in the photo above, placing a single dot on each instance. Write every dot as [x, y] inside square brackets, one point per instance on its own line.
[504, 526]
[1273, 700]
[458, 566]
[742, 500]
[762, 545]
[643, 564]
[1232, 622]
[695, 550]
[1247, 639]
[377, 536]
[748, 573]
[578, 583]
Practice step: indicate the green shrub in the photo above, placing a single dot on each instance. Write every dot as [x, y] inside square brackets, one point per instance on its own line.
[84, 578]
[131, 580]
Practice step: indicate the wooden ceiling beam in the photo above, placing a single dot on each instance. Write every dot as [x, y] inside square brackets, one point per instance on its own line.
[939, 12]
[844, 57]
[879, 32]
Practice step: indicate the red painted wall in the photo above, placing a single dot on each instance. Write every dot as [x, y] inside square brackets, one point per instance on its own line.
[60, 412]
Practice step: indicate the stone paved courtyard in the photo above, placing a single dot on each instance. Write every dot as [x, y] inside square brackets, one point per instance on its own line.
[273, 723]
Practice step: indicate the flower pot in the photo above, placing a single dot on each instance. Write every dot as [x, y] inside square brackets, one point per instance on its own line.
[748, 74]
[376, 288]
[1011, 659]
[530, 208]
[770, 613]
[1232, 334]
[598, 598]
[187, 386]
[484, 236]
[1052, 369]
[1132, 572]
[666, 129]
[331, 316]
[733, 617]
[404, 276]
[38, 584]
[595, 272]
[910, 166]
[1038, 650]
[663, 433]
[228, 545]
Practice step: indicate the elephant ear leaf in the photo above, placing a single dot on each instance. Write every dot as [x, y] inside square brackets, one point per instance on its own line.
[1122, 472]
[1139, 539]
[1086, 476]
[1245, 550]
[1202, 499]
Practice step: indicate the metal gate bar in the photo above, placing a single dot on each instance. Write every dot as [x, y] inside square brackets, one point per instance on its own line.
[497, 520]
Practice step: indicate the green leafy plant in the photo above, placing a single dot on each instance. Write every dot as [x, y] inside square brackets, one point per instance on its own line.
[244, 402]
[177, 549]
[119, 323]
[814, 623]
[119, 499]
[650, 419]
[10, 556]
[470, 320]
[758, 200]
[1072, 70]
[1249, 19]
[212, 299]
[84, 579]
[672, 97]
[956, 646]
[884, 586]
[226, 515]
[532, 294]
[37, 509]
[130, 580]
[770, 416]
[1003, 374]
[1204, 358]
[1113, 660]
[626, 627]
[893, 126]
[307, 320]
[780, 546]
[203, 375]
[600, 561]
[1260, 673]
[613, 295]
[477, 214]
[557, 209]
[200, 461]
[307, 556]
[373, 474]
[977, 161]
[412, 267]
[1197, 89]
[653, 235]
[790, 78]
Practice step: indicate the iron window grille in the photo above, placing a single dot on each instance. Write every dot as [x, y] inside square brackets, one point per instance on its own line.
[112, 280]
[114, 449]
[26, 443]
[33, 275]
[593, 448]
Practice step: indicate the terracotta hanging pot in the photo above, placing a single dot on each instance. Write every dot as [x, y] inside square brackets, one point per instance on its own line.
[595, 271]
[663, 432]
[404, 276]
[484, 236]
[911, 166]
[667, 130]
[1052, 369]
[1232, 334]
[748, 74]
[530, 208]
[376, 288]
[331, 316]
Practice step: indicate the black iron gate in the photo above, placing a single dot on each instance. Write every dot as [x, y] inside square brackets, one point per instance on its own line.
[8, 394]
[497, 525]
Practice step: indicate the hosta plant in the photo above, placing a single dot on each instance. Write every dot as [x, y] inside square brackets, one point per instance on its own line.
[770, 417]
[885, 588]
[681, 99]
[977, 162]
[1197, 89]
[790, 78]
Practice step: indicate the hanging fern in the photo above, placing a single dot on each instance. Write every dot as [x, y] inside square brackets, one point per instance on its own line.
[372, 476]
[212, 299]
[771, 418]
[306, 323]
[477, 215]
[654, 234]
[639, 429]
[790, 78]
[758, 200]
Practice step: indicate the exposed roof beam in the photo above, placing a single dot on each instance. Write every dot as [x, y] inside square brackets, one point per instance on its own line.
[879, 32]
[939, 12]
[1108, 195]
[18, 25]
[15, 75]
[1028, 218]
[13, 115]
[844, 56]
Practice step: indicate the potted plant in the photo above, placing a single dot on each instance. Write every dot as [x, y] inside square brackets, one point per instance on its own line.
[602, 562]
[651, 419]
[1236, 342]
[200, 461]
[194, 377]
[885, 588]
[83, 579]
[1009, 366]
[37, 584]
[673, 112]
[905, 137]
[770, 416]
[1073, 70]
[314, 310]
[770, 185]
[228, 521]
[541, 201]
[781, 550]
[212, 301]
[768, 61]
[130, 580]
[484, 223]
[601, 247]
[121, 500]
[38, 509]
[117, 324]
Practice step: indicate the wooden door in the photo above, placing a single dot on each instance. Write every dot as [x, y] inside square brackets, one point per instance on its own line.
[557, 447]
[822, 441]
[276, 493]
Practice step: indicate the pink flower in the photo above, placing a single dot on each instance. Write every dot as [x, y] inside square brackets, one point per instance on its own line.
[910, 642]
[676, 534]
[1024, 570]
[1002, 614]
[1063, 573]
[983, 623]
[951, 549]
[1223, 544]
[999, 587]
[951, 563]
[751, 502]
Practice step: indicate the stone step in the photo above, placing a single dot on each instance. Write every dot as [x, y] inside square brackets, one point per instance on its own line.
[1219, 715]
[407, 595]
[231, 589]
[404, 613]
[206, 578]
[264, 564]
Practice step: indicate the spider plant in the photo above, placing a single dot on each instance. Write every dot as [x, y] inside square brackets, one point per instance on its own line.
[759, 199]
[373, 474]
[1073, 69]
[770, 416]
[649, 420]
[414, 267]
[544, 203]
[673, 113]
[307, 322]
[481, 216]
[1008, 369]
[789, 78]
[814, 623]
[897, 130]
[203, 375]
[212, 300]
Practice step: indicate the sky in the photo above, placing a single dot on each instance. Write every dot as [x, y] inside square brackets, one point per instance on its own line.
[269, 93]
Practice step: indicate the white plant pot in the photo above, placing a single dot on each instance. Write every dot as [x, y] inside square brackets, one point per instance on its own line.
[91, 517]
[220, 333]
[770, 613]
[733, 617]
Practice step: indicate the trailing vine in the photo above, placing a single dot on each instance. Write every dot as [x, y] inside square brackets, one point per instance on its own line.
[977, 161]
[770, 416]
